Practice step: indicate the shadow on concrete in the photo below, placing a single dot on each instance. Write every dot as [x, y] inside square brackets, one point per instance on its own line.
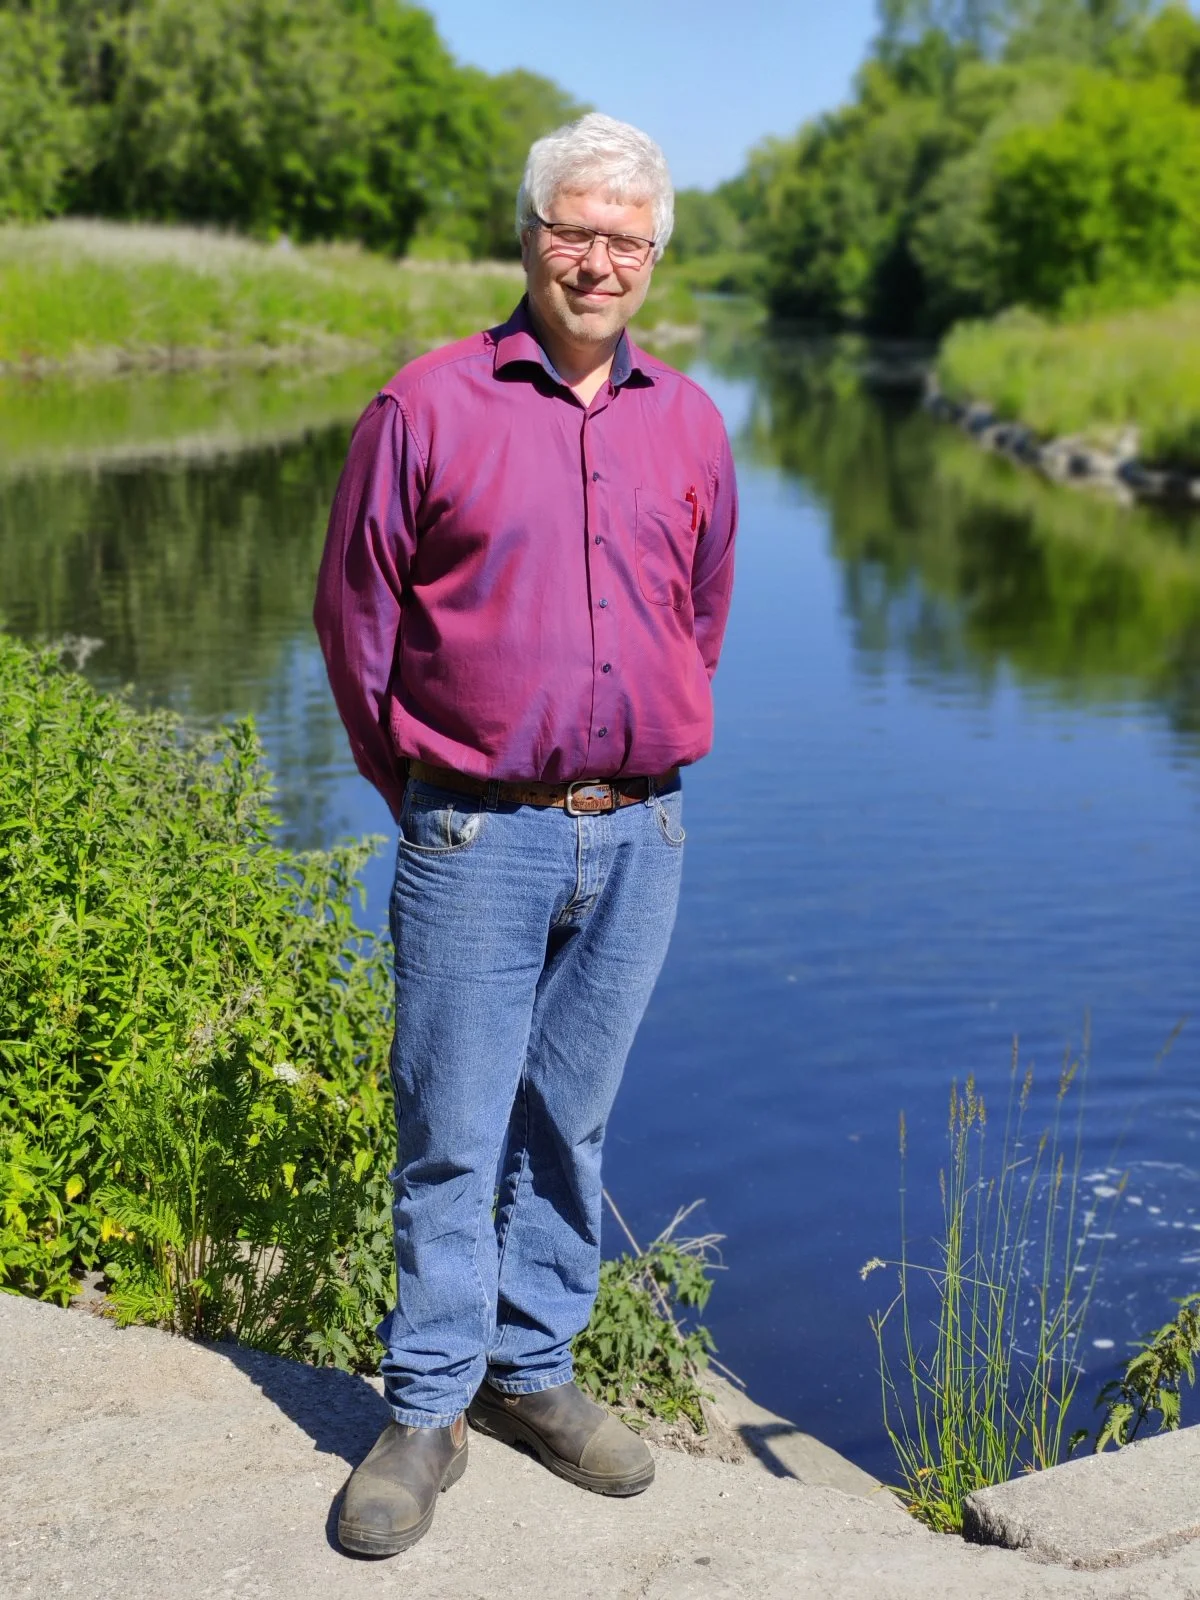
[758, 1436]
[340, 1412]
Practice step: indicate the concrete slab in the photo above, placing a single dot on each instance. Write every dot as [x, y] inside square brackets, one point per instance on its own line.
[134, 1465]
[786, 1451]
[1098, 1511]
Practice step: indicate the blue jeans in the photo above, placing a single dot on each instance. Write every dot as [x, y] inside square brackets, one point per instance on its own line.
[527, 943]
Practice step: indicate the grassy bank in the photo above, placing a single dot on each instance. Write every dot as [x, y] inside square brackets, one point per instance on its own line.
[98, 297]
[101, 296]
[1094, 377]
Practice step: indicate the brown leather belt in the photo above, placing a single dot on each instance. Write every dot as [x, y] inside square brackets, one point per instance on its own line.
[582, 799]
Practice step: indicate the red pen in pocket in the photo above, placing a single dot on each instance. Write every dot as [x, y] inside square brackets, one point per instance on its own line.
[693, 499]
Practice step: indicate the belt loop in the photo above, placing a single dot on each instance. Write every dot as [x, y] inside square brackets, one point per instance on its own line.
[650, 791]
[491, 795]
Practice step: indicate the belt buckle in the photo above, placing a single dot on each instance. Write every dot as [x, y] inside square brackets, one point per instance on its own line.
[593, 804]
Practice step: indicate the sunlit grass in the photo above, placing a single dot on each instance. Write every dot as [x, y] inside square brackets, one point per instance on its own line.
[1093, 377]
[98, 297]
[103, 295]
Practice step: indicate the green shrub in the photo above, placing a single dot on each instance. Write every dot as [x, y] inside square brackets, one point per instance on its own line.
[1152, 1379]
[1098, 206]
[41, 132]
[193, 1031]
[634, 1353]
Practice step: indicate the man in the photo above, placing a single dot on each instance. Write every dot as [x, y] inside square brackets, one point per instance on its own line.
[521, 605]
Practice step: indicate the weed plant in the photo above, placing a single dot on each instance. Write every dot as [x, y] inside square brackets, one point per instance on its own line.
[636, 1352]
[1094, 376]
[1152, 1379]
[985, 1394]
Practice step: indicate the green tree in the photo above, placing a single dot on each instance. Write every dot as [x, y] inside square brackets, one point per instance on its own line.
[1100, 203]
[39, 128]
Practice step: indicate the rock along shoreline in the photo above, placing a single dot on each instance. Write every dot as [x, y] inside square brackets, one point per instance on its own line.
[1077, 462]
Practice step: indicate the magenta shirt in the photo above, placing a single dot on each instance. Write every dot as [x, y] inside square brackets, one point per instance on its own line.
[518, 587]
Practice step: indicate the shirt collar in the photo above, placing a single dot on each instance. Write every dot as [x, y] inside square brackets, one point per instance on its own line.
[515, 341]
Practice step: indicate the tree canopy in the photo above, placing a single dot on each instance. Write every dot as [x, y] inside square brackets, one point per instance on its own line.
[321, 119]
[1042, 152]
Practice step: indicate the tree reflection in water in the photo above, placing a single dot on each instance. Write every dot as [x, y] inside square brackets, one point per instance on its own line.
[965, 562]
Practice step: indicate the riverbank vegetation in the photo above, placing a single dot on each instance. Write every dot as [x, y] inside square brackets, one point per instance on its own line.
[103, 296]
[194, 1033]
[99, 297]
[1093, 377]
[988, 1397]
[1034, 152]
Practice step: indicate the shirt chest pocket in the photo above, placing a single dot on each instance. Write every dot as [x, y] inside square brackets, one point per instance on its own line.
[665, 544]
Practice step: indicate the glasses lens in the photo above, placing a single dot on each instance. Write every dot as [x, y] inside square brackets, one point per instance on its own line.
[625, 247]
[571, 238]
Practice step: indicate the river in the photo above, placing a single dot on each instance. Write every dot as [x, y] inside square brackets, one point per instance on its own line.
[953, 801]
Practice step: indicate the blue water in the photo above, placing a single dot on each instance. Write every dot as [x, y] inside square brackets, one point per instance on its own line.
[901, 855]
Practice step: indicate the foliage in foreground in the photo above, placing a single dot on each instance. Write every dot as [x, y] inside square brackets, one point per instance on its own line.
[1092, 376]
[194, 1038]
[635, 1353]
[987, 1397]
[1152, 1379]
[193, 1032]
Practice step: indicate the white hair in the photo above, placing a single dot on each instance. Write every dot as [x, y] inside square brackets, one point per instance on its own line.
[597, 152]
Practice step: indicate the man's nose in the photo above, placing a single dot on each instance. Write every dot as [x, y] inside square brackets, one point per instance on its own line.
[598, 261]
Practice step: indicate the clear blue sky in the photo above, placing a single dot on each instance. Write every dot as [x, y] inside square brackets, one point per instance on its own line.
[708, 78]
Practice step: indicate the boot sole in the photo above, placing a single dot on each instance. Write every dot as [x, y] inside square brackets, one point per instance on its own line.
[509, 1430]
[362, 1542]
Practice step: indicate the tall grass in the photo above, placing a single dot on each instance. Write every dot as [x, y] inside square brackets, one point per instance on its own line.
[101, 296]
[982, 1392]
[105, 295]
[1092, 377]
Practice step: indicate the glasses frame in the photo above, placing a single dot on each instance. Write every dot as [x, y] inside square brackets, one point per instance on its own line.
[597, 233]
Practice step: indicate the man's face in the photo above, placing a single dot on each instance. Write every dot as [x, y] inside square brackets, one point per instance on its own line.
[589, 298]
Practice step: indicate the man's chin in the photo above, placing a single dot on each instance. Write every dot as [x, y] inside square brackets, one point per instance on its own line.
[592, 327]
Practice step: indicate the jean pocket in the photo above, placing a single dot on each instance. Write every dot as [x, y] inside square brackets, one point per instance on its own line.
[665, 547]
[669, 810]
[438, 824]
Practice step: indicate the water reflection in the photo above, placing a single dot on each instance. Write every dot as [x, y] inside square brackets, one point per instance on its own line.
[961, 561]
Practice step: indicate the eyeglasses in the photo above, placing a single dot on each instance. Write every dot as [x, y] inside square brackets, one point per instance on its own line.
[624, 249]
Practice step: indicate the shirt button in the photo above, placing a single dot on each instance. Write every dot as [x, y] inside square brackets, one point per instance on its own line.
[595, 477]
[598, 539]
[607, 667]
[603, 603]
[601, 733]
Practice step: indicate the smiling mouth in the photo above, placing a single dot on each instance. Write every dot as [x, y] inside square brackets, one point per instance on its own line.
[591, 294]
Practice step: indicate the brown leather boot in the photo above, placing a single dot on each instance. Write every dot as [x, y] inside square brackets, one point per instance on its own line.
[570, 1434]
[390, 1499]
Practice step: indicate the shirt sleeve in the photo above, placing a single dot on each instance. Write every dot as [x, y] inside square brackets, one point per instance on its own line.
[369, 549]
[712, 569]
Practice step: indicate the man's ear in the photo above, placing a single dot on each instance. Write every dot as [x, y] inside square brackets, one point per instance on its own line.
[526, 245]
